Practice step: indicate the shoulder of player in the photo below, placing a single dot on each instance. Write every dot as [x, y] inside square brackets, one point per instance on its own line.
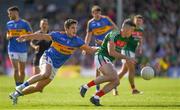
[139, 29]
[24, 21]
[58, 32]
[106, 17]
[91, 20]
[55, 33]
[78, 38]
[11, 21]
[114, 32]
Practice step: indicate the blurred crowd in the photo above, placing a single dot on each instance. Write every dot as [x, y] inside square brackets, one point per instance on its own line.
[162, 33]
[161, 47]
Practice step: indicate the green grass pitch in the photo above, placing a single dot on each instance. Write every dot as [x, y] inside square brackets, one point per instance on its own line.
[63, 94]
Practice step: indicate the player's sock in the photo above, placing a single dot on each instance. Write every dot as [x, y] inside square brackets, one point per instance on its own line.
[90, 84]
[99, 94]
[25, 84]
[17, 94]
[18, 83]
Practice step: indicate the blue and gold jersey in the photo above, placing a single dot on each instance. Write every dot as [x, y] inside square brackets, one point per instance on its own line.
[62, 48]
[99, 28]
[16, 29]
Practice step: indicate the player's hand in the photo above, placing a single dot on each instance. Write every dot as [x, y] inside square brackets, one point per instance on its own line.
[36, 48]
[139, 50]
[9, 37]
[131, 60]
[21, 38]
[99, 42]
[83, 52]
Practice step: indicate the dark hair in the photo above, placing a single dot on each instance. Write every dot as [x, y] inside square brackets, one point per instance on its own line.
[69, 22]
[96, 8]
[139, 16]
[129, 22]
[13, 8]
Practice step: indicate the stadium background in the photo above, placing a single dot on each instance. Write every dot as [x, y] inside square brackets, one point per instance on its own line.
[162, 29]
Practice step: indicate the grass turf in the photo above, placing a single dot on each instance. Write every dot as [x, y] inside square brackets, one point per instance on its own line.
[63, 93]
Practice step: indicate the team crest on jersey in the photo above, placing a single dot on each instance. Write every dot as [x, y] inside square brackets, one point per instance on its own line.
[120, 43]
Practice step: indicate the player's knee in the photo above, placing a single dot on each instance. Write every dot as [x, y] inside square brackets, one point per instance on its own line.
[39, 88]
[15, 70]
[22, 71]
[116, 82]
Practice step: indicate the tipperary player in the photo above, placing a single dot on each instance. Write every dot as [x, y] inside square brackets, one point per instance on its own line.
[134, 44]
[17, 50]
[109, 50]
[98, 27]
[40, 45]
[62, 47]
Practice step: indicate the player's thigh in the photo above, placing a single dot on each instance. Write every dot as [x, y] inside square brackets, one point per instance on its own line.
[14, 63]
[14, 59]
[46, 70]
[108, 69]
[105, 66]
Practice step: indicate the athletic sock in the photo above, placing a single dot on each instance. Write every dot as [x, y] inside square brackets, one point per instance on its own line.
[18, 83]
[25, 84]
[17, 94]
[100, 93]
[90, 84]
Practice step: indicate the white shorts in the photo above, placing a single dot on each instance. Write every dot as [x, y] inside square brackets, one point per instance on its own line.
[100, 60]
[127, 53]
[46, 60]
[18, 56]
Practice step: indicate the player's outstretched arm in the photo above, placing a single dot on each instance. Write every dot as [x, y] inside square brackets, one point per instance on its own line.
[8, 36]
[88, 49]
[88, 36]
[99, 42]
[114, 25]
[34, 36]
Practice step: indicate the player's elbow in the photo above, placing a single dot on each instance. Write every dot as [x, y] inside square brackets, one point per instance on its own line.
[45, 75]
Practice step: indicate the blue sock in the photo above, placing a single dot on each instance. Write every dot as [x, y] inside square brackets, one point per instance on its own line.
[97, 87]
[26, 84]
[18, 83]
